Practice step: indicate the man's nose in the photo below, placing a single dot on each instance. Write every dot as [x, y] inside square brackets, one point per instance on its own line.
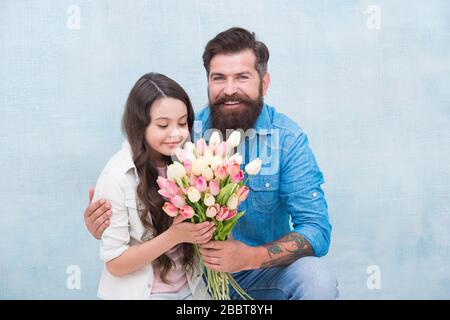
[230, 88]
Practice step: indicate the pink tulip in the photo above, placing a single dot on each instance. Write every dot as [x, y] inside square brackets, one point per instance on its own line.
[223, 214]
[161, 181]
[233, 168]
[187, 166]
[231, 214]
[181, 192]
[221, 149]
[164, 193]
[221, 173]
[238, 177]
[171, 187]
[201, 184]
[200, 147]
[187, 212]
[178, 201]
[242, 193]
[192, 180]
[214, 188]
[170, 209]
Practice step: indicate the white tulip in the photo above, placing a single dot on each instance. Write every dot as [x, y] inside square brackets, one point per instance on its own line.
[198, 165]
[209, 200]
[208, 174]
[188, 156]
[208, 157]
[189, 151]
[253, 167]
[178, 170]
[170, 173]
[193, 194]
[212, 211]
[214, 140]
[234, 139]
[189, 147]
[180, 154]
[216, 162]
[235, 157]
[232, 202]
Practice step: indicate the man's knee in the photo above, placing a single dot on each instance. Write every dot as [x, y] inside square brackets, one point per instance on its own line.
[311, 279]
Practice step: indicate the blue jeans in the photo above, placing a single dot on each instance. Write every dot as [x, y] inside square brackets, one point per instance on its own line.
[307, 278]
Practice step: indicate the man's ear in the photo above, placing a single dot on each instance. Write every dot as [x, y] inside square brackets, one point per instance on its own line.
[265, 83]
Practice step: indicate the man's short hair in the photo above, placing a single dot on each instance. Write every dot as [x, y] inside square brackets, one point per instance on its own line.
[235, 40]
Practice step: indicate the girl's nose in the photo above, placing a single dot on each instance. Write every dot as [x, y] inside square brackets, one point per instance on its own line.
[175, 133]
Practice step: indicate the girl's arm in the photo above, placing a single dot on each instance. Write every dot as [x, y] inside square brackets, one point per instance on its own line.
[115, 250]
[138, 256]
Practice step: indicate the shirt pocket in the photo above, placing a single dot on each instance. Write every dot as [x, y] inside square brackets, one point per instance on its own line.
[137, 229]
[264, 192]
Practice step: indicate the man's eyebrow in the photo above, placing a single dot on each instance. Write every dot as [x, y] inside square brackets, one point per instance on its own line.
[221, 74]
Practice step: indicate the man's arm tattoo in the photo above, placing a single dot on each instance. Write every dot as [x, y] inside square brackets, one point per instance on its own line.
[286, 250]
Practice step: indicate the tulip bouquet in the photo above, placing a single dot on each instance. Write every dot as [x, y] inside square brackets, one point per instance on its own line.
[207, 184]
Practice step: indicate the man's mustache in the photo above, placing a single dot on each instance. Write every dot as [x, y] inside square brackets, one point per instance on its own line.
[234, 97]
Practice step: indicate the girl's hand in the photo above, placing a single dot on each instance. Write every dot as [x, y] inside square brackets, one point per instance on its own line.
[191, 232]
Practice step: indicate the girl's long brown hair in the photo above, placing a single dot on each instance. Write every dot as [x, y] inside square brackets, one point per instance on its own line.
[136, 118]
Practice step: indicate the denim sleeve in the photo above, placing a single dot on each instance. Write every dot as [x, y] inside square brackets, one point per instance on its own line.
[302, 195]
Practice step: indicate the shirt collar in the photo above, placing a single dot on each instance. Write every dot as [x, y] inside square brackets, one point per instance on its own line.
[128, 158]
[263, 124]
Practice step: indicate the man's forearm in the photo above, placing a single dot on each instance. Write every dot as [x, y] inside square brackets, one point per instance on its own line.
[283, 251]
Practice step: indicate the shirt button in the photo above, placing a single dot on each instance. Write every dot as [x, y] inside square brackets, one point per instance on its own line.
[149, 285]
[314, 194]
[267, 184]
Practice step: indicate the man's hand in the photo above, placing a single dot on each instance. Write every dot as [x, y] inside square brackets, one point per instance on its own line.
[229, 256]
[97, 215]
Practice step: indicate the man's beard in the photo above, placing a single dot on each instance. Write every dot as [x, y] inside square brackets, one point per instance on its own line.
[242, 118]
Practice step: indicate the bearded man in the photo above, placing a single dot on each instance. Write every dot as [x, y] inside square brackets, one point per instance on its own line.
[276, 247]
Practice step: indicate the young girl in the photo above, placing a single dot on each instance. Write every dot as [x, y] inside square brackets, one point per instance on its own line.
[147, 254]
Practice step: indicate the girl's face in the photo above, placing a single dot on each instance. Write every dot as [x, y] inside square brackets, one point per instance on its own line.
[168, 126]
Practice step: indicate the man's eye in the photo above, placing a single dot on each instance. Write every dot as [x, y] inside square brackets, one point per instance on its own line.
[243, 77]
[217, 78]
[183, 124]
[161, 126]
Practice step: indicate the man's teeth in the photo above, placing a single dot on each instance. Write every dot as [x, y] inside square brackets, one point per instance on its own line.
[231, 102]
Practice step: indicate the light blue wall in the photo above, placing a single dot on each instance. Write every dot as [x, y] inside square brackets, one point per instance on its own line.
[372, 92]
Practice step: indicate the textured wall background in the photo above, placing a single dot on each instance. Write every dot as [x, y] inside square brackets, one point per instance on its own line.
[369, 81]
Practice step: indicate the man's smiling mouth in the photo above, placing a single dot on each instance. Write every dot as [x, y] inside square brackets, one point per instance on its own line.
[231, 104]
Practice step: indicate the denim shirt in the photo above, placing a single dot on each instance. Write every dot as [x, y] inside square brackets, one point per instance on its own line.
[286, 195]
